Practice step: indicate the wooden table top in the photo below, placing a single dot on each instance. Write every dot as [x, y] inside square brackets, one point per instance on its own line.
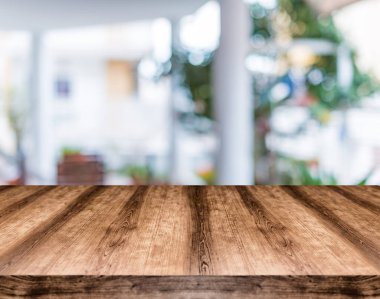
[172, 230]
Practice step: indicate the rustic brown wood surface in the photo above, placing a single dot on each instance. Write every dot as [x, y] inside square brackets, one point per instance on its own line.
[246, 240]
[172, 287]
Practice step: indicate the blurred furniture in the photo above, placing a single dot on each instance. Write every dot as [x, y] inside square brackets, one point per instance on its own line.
[81, 169]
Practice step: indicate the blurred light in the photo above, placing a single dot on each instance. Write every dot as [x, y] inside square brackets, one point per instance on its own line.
[268, 4]
[301, 56]
[359, 23]
[315, 77]
[201, 31]
[280, 92]
[162, 40]
[261, 64]
[287, 120]
[345, 68]
[196, 58]
[148, 68]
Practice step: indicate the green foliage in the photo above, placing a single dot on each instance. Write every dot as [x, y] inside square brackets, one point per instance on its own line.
[330, 95]
[262, 22]
[363, 85]
[67, 151]
[364, 181]
[300, 173]
[327, 91]
[198, 81]
[302, 22]
[138, 172]
[208, 176]
[305, 23]
[296, 20]
[307, 173]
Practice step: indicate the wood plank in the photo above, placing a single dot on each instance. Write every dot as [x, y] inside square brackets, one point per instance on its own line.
[16, 227]
[16, 198]
[201, 243]
[134, 234]
[72, 245]
[168, 287]
[349, 220]
[189, 231]
[229, 241]
[145, 252]
[48, 226]
[168, 249]
[361, 196]
[310, 239]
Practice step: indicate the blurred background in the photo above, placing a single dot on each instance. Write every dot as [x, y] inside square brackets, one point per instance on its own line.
[190, 92]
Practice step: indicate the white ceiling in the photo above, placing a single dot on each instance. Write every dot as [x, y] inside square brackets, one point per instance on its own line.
[53, 14]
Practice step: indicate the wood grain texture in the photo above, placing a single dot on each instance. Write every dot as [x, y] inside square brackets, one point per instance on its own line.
[341, 215]
[254, 238]
[168, 287]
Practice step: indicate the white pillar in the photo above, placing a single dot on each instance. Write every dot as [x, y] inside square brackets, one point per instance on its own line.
[234, 97]
[173, 111]
[345, 73]
[41, 157]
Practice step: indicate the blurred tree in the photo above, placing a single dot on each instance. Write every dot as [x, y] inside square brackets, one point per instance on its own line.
[288, 21]
[198, 80]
